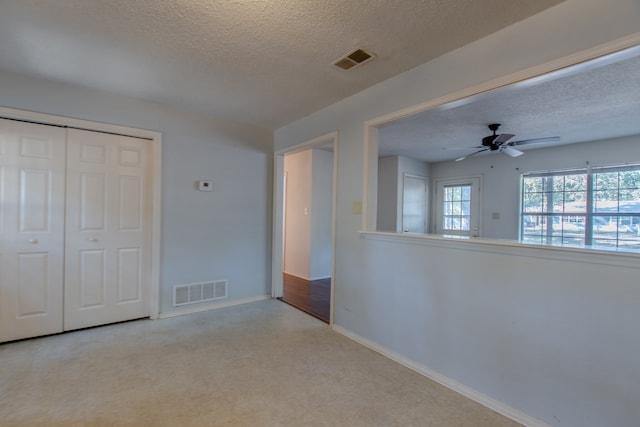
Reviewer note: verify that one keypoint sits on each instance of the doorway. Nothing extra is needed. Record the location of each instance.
(304, 198)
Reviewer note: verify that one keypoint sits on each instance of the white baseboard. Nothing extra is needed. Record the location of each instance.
(210, 306)
(454, 385)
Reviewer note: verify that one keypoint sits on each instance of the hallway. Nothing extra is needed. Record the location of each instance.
(312, 297)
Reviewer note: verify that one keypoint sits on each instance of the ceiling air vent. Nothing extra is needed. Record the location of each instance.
(353, 59)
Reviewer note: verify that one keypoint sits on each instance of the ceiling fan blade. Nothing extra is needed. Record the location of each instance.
(534, 141)
(461, 148)
(512, 152)
(502, 138)
(472, 154)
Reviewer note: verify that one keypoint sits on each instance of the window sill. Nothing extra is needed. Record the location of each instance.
(613, 256)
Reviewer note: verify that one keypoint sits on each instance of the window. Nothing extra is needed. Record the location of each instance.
(596, 206)
(457, 205)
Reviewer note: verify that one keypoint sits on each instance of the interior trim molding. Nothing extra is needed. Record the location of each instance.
(211, 306)
(621, 258)
(452, 384)
(43, 118)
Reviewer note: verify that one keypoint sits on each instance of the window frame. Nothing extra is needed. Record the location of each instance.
(590, 210)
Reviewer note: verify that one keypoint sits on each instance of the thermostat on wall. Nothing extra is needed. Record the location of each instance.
(205, 186)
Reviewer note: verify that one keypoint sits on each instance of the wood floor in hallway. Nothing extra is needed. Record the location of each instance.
(312, 297)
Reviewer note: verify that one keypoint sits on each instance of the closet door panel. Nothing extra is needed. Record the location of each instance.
(92, 281)
(32, 192)
(32, 285)
(129, 275)
(93, 202)
(106, 237)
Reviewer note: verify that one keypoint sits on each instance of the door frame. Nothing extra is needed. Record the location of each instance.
(277, 258)
(155, 139)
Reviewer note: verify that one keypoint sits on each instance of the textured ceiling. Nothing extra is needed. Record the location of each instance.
(262, 62)
(589, 102)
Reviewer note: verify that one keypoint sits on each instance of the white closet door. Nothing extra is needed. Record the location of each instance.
(107, 256)
(32, 186)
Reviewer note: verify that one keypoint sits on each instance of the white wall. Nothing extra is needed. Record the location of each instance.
(413, 166)
(391, 170)
(321, 214)
(224, 234)
(501, 175)
(297, 231)
(553, 337)
(387, 218)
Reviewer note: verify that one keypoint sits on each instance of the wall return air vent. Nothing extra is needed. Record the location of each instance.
(353, 59)
(192, 293)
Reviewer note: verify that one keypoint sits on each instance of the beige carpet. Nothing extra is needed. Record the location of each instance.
(259, 364)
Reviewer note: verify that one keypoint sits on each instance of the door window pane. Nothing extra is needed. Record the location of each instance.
(456, 207)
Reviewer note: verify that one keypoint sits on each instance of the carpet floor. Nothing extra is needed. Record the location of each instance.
(258, 364)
